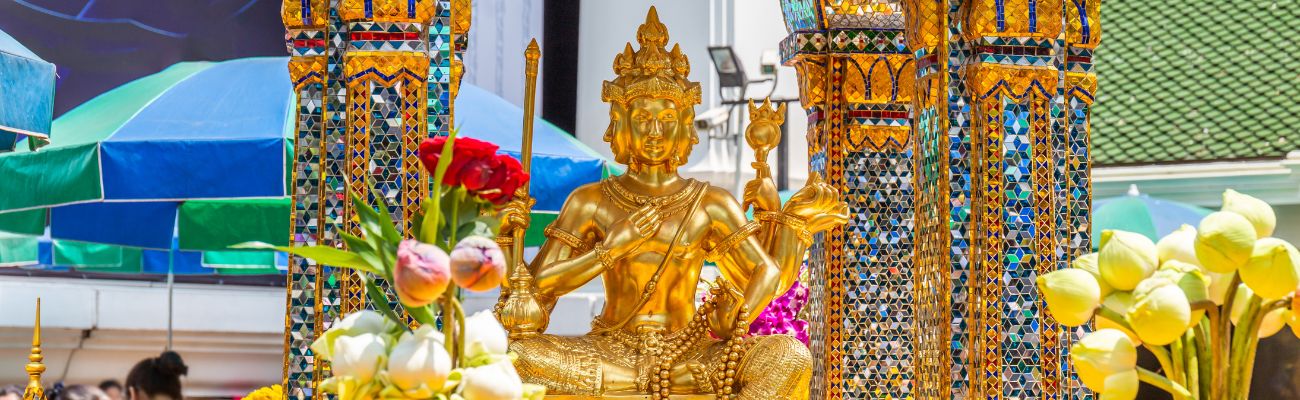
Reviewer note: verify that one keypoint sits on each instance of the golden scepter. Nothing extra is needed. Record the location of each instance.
(521, 315)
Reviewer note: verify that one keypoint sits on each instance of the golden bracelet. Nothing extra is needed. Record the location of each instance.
(733, 240)
(794, 222)
(505, 241)
(569, 239)
(603, 255)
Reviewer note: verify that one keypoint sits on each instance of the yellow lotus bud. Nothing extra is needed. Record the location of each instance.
(1273, 322)
(1224, 241)
(1088, 262)
(1160, 313)
(1179, 245)
(1118, 303)
(1191, 281)
(1273, 270)
(1121, 386)
(1072, 295)
(1219, 284)
(1101, 354)
(1259, 213)
(1126, 258)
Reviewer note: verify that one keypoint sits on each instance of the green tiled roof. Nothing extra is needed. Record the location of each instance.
(1197, 80)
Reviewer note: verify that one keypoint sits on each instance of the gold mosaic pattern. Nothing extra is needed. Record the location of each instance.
(1013, 19)
(298, 14)
(418, 11)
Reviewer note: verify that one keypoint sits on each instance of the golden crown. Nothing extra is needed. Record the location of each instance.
(651, 71)
(766, 112)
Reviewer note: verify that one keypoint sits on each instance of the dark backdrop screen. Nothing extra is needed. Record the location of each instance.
(98, 45)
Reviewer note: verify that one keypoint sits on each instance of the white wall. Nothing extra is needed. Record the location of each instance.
(759, 26)
(499, 33)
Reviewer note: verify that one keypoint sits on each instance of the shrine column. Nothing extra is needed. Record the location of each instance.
(1002, 190)
(369, 84)
(307, 25)
(856, 84)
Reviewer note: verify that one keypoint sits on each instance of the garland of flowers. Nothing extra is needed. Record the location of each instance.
(376, 354)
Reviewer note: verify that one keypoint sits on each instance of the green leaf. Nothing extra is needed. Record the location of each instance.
(425, 315)
(389, 232)
(367, 252)
(429, 226)
(380, 300)
(476, 227)
(371, 224)
(321, 254)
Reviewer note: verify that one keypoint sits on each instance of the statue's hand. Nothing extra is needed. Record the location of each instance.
(625, 235)
(819, 204)
(516, 214)
(761, 192)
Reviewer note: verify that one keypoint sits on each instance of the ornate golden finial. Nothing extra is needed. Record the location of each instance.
(35, 368)
(651, 71)
(766, 112)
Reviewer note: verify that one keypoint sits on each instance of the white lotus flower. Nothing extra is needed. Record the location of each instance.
(357, 323)
(1259, 213)
(419, 361)
(1088, 262)
(359, 356)
(1160, 312)
(1072, 295)
(495, 381)
(1224, 241)
(1121, 386)
(1273, 271)
(1126, 258)
(484, 336)
(1101, 354)
(1179, 246)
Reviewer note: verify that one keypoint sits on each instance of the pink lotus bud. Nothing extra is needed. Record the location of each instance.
(422, 273)
(477, 264)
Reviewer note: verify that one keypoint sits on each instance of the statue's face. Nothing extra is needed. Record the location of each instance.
(654, 126)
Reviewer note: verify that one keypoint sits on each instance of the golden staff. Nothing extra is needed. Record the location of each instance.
(531, 55)
(519, 311)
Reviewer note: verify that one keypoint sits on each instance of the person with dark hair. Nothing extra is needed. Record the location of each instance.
(157, 378)
(112, 388)
(11, 392)
(78, 392)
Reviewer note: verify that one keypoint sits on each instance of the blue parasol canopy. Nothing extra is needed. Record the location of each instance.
(26, 93)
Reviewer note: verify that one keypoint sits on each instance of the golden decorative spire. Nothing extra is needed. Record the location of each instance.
(35, 368)
(652, 71)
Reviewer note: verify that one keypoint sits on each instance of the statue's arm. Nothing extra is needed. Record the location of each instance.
(566, 260)
(740, 256)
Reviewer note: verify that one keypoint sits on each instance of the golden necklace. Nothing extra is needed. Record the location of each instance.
(630, 202)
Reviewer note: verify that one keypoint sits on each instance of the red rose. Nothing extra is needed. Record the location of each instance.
(466, 151)
(508, 178)
(479, 173)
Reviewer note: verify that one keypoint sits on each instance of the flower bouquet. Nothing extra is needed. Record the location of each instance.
(1199, 300)
(376, 354)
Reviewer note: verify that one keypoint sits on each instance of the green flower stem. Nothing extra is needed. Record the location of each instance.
(1204, 359)
(1252, 344)
(460, 326)
(1224, 341)
(1179, 373)
(1247, 327)
(450, 336)
(1162, 355)
(1151, 378)
(1218, 357)
(1193, 369)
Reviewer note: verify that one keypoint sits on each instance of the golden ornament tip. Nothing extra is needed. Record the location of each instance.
(35, 368)
(533, 52)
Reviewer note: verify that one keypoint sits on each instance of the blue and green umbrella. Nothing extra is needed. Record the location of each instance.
(195, 159)
(1135, 212)
(26, 93)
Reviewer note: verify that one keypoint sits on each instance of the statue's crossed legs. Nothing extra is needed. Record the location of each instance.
(772, 367)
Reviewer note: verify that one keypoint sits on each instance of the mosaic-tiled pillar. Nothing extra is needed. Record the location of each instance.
(368, 86)
(386, 68)
(1082, 35)
(856, 79)
(307, 25)
(1002, 194)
